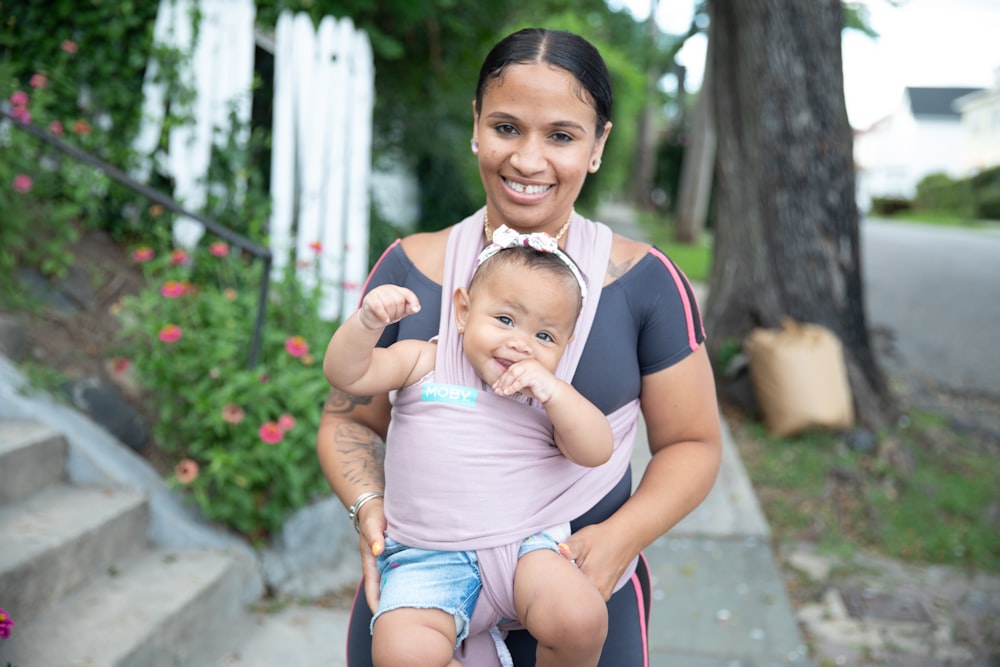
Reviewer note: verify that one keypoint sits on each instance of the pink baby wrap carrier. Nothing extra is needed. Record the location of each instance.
(486, 480)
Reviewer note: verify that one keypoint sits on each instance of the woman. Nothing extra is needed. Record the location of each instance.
(541, 117)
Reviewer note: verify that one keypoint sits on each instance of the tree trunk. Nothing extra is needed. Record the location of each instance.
(696, 170)
(645, 154)
(786, 238)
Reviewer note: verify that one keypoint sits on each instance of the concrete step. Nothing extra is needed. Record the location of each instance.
(160, 608)
(32, 457)
(60, 538)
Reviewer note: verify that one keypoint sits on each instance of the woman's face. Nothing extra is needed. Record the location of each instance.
(537, 137)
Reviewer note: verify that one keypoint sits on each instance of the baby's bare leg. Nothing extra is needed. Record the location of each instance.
(409, 637)
(561, 609)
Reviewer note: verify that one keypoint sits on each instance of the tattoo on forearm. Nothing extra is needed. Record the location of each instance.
(616, 271)
(340, 403)
(362, 453)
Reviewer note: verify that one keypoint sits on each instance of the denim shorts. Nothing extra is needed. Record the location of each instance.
(423, 579)
(446, 580)
(548, 539)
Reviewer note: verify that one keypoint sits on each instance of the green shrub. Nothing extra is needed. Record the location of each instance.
(42, 192)
(985, 187)
(941, 192)
(985, 179)
(988, 204)
(242, 438)
(890, 205)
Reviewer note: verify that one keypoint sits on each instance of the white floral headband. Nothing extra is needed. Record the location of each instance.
(504, 237)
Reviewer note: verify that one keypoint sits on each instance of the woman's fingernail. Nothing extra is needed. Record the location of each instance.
(377, 548)
(564, 549)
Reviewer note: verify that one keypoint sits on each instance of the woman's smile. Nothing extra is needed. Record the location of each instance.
(526, 189)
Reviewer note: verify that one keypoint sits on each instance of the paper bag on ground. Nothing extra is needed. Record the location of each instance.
(799, 378)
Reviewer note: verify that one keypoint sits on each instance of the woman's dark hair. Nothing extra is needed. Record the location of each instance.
(552, 47)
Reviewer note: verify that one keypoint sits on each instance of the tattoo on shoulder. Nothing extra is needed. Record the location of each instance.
(339, 402)
(616, 271)
(363, 454)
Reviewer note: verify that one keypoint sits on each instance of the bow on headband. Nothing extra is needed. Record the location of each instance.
(504, 237)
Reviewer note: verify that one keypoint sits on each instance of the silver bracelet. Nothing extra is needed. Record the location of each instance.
(359, 502)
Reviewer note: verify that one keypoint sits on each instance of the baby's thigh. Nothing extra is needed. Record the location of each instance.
(552, 597)
(408, 636)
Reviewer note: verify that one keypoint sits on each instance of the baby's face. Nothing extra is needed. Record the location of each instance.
(519, 313)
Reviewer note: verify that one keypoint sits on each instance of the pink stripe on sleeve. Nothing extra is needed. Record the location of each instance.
(364, 288)
(681, 283)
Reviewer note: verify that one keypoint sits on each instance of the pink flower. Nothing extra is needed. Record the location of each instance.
(81, 127)
(56, 128)
(219, 248)
(296, 346)
(142, 254)
(317, 247)
(22, 114)
(186, 471)
(19, 99)
(22, 183)
(178, 256)
(38, 80)
(172, 289)
(170, 333)
(271, 433)
(233, 414)
(229, 293)
(120, 364)
(6, 623)
(69, 46)
(286, 422)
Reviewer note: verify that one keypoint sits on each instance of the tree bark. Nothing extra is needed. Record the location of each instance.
(699, 161)
(645, 153)
(786, 237)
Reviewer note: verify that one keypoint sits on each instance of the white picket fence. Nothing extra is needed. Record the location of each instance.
(321, 153)
(321, 136)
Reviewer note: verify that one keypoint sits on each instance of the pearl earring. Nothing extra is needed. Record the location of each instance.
(475, 146)
(595, 164)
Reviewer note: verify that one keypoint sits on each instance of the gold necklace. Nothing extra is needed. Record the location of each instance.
(489, 230)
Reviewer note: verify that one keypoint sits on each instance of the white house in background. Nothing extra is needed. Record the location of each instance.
(922, 136)
(980, 113)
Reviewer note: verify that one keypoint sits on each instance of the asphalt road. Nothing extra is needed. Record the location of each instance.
(936, 290)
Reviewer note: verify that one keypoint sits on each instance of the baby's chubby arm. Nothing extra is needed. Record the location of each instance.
(582, 432)
(353, 364)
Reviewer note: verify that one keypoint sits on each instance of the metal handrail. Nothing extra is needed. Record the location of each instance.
(220, 230)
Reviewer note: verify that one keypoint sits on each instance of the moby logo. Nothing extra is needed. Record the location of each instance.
(449, 393)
